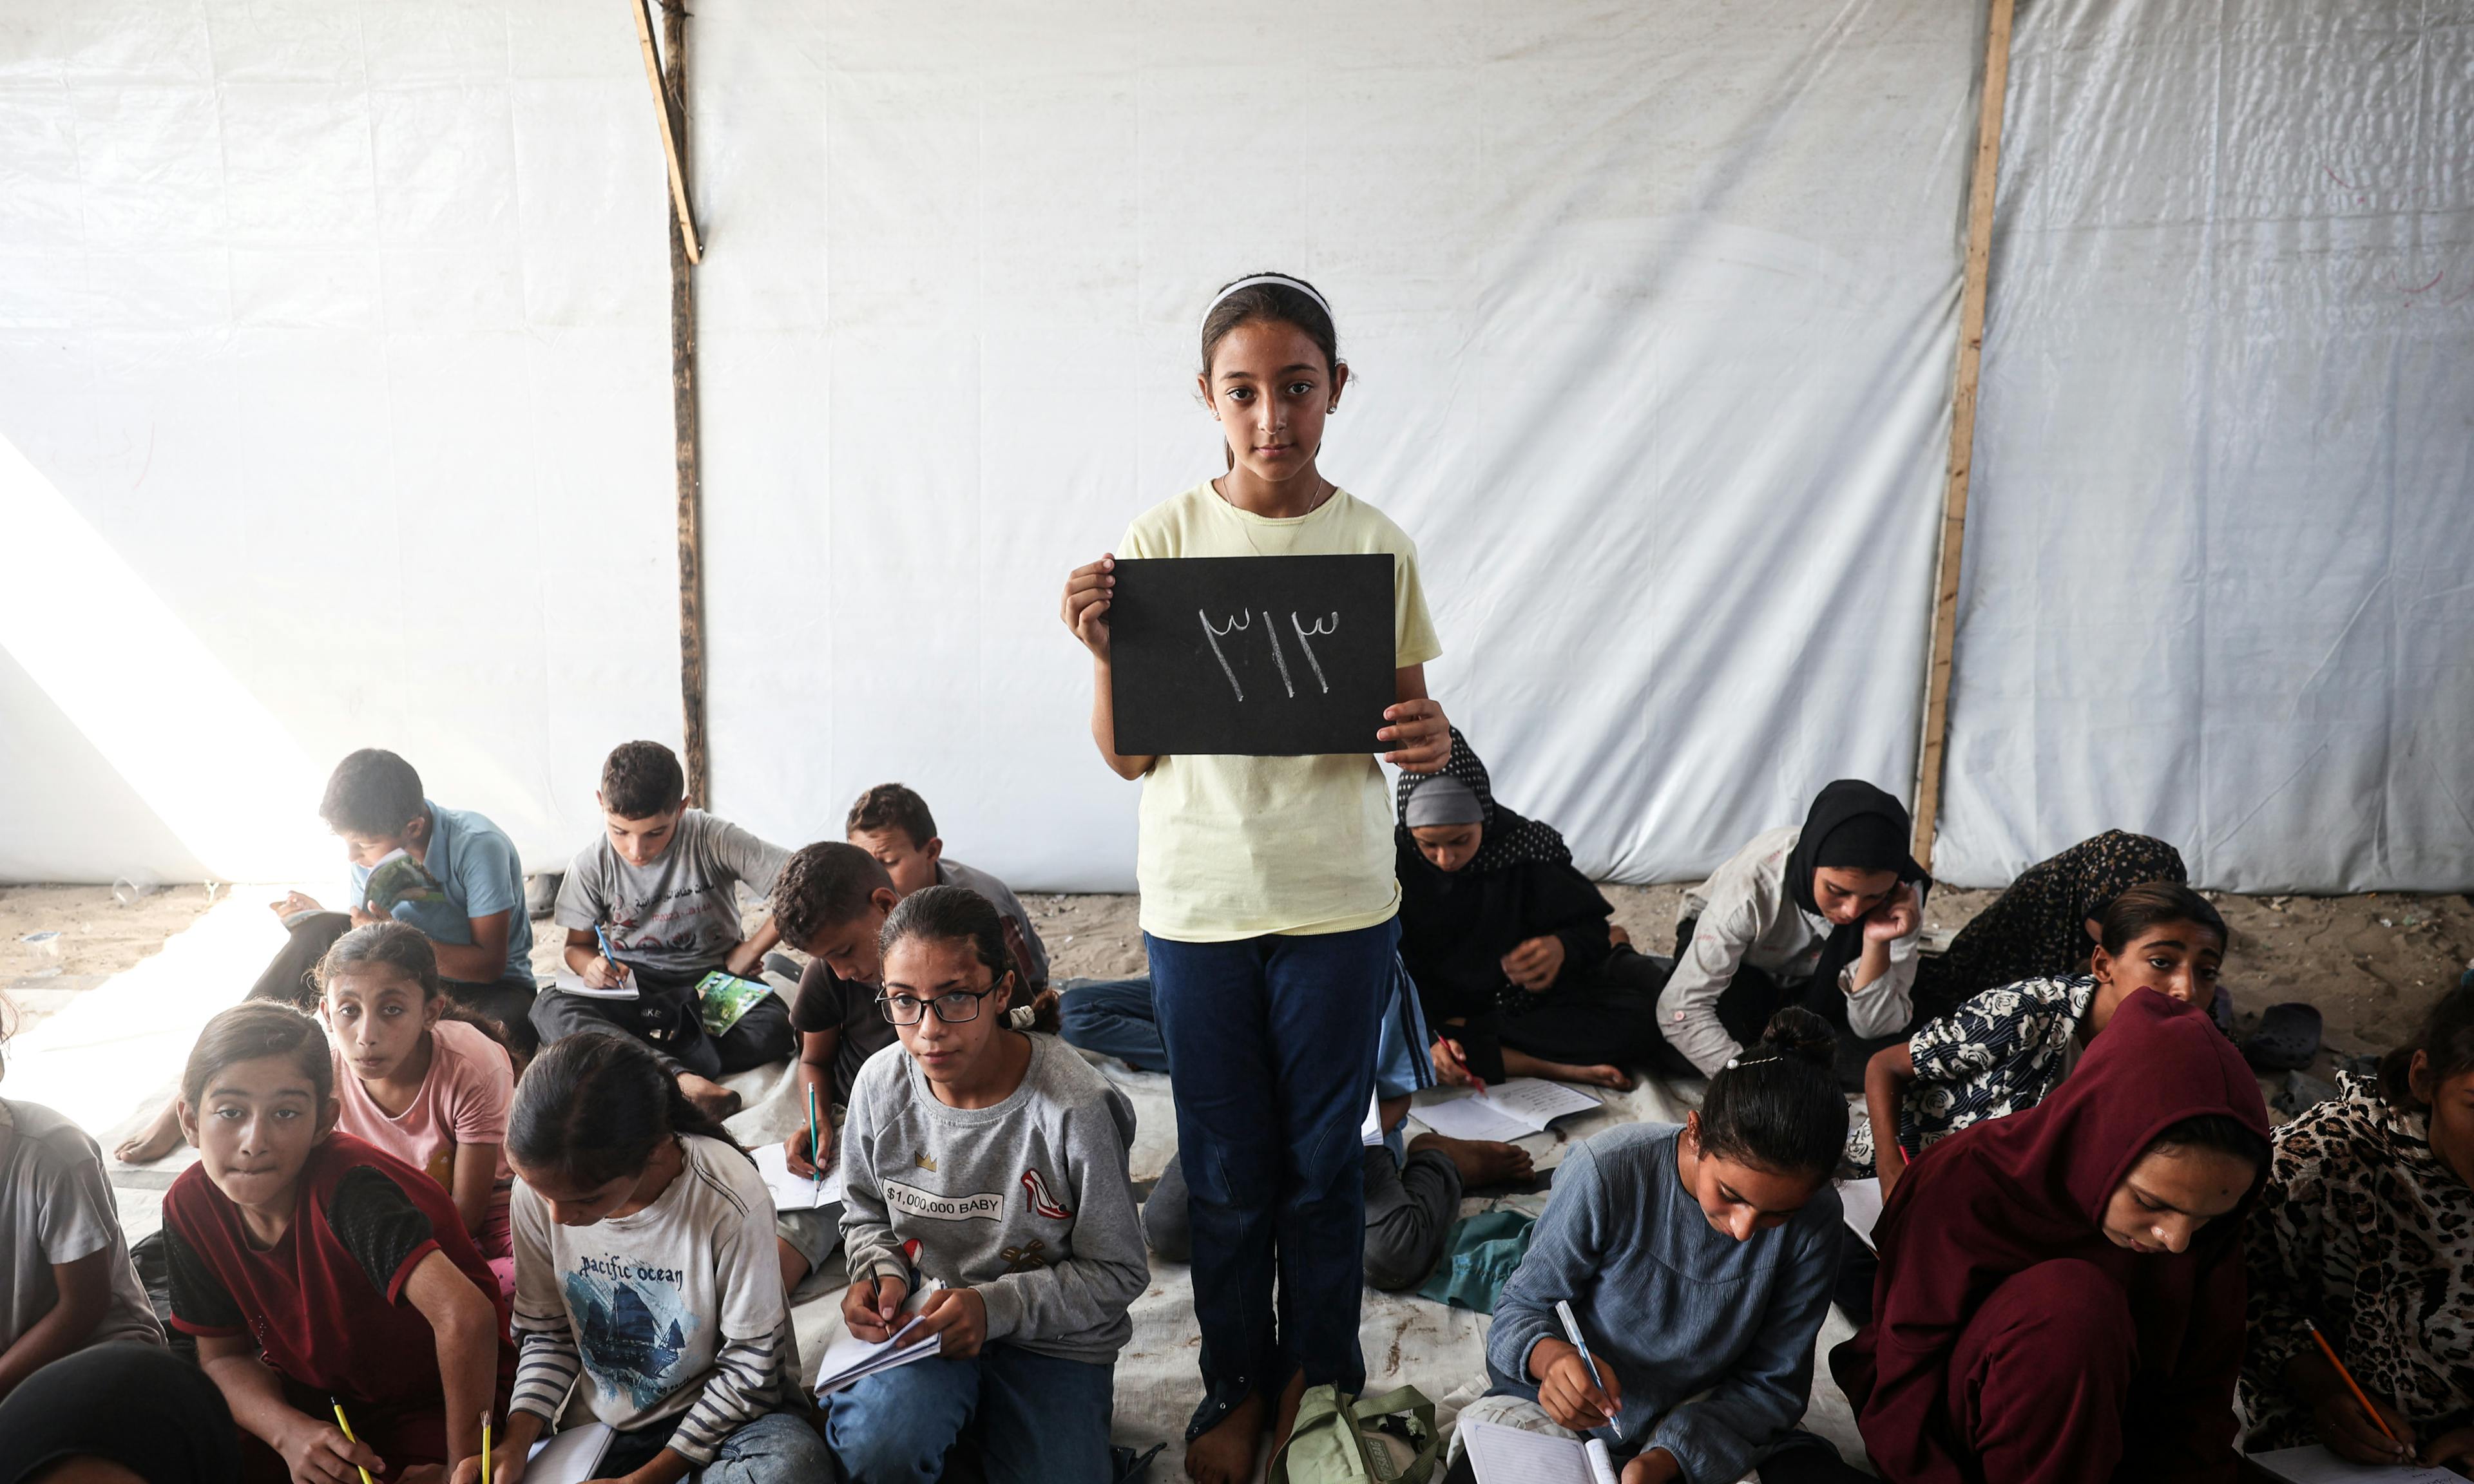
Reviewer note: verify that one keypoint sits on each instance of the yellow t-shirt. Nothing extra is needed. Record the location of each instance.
(1239, 847)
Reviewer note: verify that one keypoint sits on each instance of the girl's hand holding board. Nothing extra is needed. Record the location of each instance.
(1419, 735)
(1087, 591)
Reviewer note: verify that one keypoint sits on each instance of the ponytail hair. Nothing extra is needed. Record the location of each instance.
(957, 914)
(595, 1106)
(250, 1031)
(1777, 1106)
(2445, 1039)
(2135, 909)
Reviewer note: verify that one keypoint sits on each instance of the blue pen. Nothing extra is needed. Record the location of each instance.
(603, 938)
(1572, 1333)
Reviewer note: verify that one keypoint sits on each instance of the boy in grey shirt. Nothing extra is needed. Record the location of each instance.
(650, 909)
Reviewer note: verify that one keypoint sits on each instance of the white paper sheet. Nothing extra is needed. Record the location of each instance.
(2316, 1465)
(848, 1358)
(797, 1192)
(1859, 1205)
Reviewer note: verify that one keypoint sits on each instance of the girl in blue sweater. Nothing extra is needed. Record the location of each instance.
(1698, 1261)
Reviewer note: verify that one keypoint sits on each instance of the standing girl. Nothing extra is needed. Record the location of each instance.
(1029, 1142)
(420, 1078)
(644, 1259)
(1269, 899)
(318, 1271)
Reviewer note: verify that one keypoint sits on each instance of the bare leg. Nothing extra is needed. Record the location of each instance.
(1520, 1064)
(1290, 1395)
(1479, 1162)
(712, 1098)
(159, 1139)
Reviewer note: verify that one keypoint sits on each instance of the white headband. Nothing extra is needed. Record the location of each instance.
(1283, 279)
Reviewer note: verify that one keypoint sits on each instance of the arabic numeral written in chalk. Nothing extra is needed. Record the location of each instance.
(1322, 628)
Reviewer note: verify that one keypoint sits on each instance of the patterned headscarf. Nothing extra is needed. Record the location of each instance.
(1510, 840)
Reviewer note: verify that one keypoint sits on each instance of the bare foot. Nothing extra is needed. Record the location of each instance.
(1226, 1455)
(1480, 1162)
(1519, 1063)
(712, 1098)
(1287, 1422)
(160, 1139)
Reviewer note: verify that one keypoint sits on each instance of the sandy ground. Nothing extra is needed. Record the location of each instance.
(96, 936)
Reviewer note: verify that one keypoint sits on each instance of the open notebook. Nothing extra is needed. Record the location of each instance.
(849, 1358)
(2316, 1465)
(1508, 1110)
(797, 1192)
(569, 1457)
(1508, 1455)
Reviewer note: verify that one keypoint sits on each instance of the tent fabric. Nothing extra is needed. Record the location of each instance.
(334, 379)
(2219, 575)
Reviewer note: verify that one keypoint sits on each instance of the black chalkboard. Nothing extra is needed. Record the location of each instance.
(1268, 657)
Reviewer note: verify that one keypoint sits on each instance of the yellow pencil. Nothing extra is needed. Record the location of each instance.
(348, 1434)
(2347, 1376)
(485, 1448)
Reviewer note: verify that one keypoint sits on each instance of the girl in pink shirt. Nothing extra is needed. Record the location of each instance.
(419, 1077)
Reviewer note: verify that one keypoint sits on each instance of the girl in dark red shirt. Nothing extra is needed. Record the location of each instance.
(316, 1270)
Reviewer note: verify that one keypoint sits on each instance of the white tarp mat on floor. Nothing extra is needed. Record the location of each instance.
(343, 330)
(2220, 579)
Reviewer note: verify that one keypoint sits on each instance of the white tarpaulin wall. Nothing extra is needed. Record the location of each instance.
(2220, 576)
(334, 373)
(342, 327)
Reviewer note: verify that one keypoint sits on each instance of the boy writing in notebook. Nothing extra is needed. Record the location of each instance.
(650, 909)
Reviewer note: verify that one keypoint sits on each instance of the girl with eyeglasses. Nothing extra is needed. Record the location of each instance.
(993, 1162)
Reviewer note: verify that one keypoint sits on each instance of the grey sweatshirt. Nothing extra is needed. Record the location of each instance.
(1026, 1202)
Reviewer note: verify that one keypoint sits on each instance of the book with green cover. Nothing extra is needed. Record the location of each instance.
(727, 999)
(398, 877)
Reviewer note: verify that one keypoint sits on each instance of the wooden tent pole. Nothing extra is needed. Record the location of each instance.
(667, 93)
(1962, 422)
(685, 254)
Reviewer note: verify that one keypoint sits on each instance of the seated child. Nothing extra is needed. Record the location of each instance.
(644, 1262)
(1508, 942)
(2003, 1051)
(66, 1279)
(316, 1270)
(2041, 925)
(1029, 1137)
(2061, 1290)
(1698, 1262)
(460, 884)
(651, 908)
(419, 1080)
(2363, 1229)
(830, 902)
(1413, 1188)
(892, 823)
(1825, 915)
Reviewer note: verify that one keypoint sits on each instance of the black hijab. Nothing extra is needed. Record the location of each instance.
(1852, 826)
(1456, 925)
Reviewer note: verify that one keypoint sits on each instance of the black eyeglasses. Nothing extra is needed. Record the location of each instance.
(952, 1008)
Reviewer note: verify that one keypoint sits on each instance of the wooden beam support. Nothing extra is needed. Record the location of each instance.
(672, 97)
(668, 91)
(1962, 422)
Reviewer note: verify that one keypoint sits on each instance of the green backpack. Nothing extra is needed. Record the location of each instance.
(1390, 1439)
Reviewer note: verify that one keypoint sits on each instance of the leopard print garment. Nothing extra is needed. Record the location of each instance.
(2362, 1229)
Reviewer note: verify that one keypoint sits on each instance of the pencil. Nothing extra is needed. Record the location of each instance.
(2347, 1376)
(815, 1155)
(485, 1448)
(340, 1422)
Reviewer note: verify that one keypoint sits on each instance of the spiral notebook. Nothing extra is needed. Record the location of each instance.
(1508, 1455)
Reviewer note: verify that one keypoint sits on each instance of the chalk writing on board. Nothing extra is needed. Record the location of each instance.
(1243, 621)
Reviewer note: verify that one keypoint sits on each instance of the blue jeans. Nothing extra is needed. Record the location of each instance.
(1113, 1017)
(1042, 1420)
(1270, 1049)
(778, 1448)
